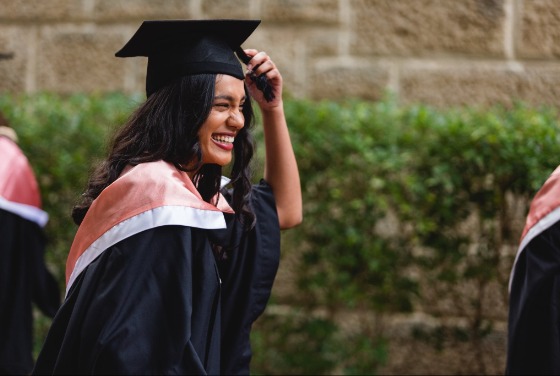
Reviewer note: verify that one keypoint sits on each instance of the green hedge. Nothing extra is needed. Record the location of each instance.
(406, 208)
(402, 203)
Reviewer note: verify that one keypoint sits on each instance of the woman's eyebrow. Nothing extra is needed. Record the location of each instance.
(228, 97)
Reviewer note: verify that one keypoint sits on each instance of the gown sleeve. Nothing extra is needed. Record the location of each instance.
(534, 308)
(24, 279)
(248, 274)
(45, 292)
(130, 310)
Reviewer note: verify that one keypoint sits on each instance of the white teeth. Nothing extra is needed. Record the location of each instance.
(222, 138)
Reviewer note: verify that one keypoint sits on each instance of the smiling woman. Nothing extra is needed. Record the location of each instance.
(218, 132)
(169, 269)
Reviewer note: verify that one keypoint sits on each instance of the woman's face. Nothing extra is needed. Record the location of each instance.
(226, 119)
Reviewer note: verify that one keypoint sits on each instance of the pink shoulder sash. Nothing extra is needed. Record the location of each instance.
(143, 197)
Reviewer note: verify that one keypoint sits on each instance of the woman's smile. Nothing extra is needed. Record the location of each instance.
(223, 140)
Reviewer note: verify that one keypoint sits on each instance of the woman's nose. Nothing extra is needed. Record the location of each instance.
(236, 119)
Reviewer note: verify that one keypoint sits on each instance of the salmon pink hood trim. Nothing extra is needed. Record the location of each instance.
(19, 191)
(145, 196)
(543, 213)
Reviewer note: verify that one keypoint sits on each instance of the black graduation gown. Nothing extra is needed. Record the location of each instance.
(534, 300)
(534, 313)
(248, 274)
(158, 302)
(24, 279)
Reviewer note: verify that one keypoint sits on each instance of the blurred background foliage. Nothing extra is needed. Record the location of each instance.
(407, 209)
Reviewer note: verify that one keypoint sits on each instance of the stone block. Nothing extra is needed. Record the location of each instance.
(444, 352)
(227, 9)
(74, 59)
(320, 42)
(348, 80)
(291, 50)
(428, 27)
(442, 299)
(309, 11)
(136, 75)
(40, 10)
(140, 10)
(539, 31)
(13, 72)
(481, 85)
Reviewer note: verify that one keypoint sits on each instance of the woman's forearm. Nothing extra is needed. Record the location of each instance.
(281, 170)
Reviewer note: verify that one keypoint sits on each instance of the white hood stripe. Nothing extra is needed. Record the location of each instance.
(542, 225)
(31, 213)
(160, 216)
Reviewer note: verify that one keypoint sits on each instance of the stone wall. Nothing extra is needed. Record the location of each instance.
(440, 52)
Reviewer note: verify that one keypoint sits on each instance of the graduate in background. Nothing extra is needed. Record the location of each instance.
(534, 302)
(24, 277)
(169, 268)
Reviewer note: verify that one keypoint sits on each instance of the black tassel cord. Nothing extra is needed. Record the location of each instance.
(260, 81)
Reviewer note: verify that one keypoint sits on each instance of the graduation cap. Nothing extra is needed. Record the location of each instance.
(176, 48)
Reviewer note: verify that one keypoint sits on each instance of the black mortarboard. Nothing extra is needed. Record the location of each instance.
(176, 48)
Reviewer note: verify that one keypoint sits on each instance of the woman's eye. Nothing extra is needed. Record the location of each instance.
(221, 105)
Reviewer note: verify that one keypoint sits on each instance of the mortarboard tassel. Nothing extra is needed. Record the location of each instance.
(260, 81)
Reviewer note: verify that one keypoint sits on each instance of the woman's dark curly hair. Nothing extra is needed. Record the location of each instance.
(165, 127)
